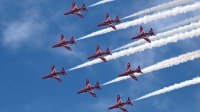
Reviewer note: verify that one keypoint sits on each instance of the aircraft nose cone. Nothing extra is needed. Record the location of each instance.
(109, 108)
(78, 92)
(89, 58)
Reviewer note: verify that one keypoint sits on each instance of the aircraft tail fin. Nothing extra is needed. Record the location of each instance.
(117, 20)
(72, 40)
(108, 51)
(63, 71)
(129, 101)
(152, 32)
(84, 8)
(139, 69)
(98, 86)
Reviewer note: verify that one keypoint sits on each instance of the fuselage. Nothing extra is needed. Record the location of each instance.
(62, 44)
(96, 55)
(73, 11)
(142, 35)
(50, 75)
(149, 34)
(85, 90)
(117, 105)
(127, 73)
(105, 23)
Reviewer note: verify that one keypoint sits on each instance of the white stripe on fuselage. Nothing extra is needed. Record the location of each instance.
(66, 45)
(56, 76)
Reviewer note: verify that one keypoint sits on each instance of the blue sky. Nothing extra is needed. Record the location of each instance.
(29, 28)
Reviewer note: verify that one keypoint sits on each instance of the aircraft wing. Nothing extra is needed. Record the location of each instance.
(87, 84)
(92, 93)
(57, 78)
(122, 108)
(79, 14)
(141, 30)
(134, 77)
(98, 51)
(107, 17)
(74, 5)
(67, 47)
(53, 70)
(102, 58)
(111, 25)
(62, 38)
(118, 99)
(128, 67)
(136, 37)
(147, 39)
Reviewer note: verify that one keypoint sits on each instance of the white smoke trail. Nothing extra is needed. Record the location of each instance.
(164, 34)
(163, 64)
(100, 2)
(171, 88)
(186, 21)
(147, 18)
(159, 7)
(156, 43)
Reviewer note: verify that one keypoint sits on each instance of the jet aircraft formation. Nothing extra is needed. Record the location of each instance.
(98, 54)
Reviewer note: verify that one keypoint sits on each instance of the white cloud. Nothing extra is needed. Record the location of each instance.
(22, 31)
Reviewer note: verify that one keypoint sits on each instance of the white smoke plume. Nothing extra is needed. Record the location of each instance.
(171, 88)
(164, 34)
(147, 18)
(159, 7)
(101, 2)
(186, 21)
(163, 64)
(156, 43)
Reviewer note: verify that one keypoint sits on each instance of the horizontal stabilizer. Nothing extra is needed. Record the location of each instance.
(63, 71)
(84, 8)
(98, 86)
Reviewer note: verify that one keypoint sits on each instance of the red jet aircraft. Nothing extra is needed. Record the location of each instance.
(131, 72)
(144, 35)
(89, 88)
(55, 74)
(120, 104)
(100, 54)
(76, 10)
(64, 42)
(109, 22)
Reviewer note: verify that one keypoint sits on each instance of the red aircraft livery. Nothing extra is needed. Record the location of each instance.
(76, 10)
(100, 54)
(131, 72)
(64, 42)
(144, 35)
(110, 22)
(55, 74)
(120, 104)
(89, 88)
